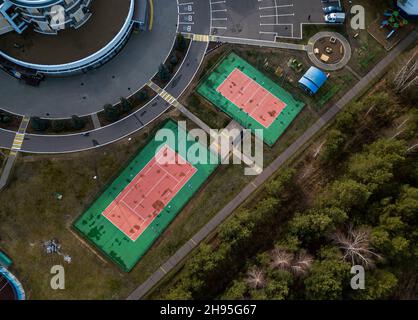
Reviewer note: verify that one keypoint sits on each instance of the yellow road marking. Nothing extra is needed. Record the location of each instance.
(18, 141)
(201, 37)
(151, 21)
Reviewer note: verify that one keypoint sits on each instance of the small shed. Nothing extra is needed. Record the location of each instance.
(313, 80)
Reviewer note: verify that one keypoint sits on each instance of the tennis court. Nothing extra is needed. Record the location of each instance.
(248, 95)
(250, 98)
(149, 192)
(143, 200)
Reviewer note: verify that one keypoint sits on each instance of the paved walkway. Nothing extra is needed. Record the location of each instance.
(177, 257)
(326, 66)
(215, 146)
(248, 42)
(11, 159)
(96, 121)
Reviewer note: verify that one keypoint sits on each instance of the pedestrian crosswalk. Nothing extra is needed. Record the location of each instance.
(18, 141)
(200, 37)
(164, 94)
(14, 150)
(20, 135)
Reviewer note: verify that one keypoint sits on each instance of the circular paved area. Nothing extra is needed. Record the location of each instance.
(87, 93)
(70, 44)
(164, 13)
(326, 66)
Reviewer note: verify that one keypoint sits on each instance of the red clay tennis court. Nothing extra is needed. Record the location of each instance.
(149, 192)
(251, 97)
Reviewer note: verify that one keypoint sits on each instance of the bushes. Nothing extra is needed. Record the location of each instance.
(333, 147)
(329, 276)
(380, 285)
(57, 125)
(375, 167)
(112, 113)
(181, 43)
(5, 118)
(39, 124)
(77, 123)
(125, 105)
(142, 96)
(164, 73)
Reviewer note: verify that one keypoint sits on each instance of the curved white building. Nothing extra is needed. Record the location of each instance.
(409, 8)
(46, 16)
(66, 36)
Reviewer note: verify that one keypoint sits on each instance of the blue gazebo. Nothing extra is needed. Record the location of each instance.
(313, 80)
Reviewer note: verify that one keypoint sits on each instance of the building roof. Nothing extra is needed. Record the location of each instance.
(69, 45)
(313, 79)
(409, 6)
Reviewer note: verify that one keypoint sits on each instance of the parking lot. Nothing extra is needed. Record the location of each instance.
(265, 19)
(191, 16)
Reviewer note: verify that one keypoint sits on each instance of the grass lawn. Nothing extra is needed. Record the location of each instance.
(367, 52)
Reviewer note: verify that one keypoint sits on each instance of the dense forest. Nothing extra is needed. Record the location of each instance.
(299, 236)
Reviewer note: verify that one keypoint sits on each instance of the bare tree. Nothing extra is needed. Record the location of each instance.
(281, 259)
(302, 264)
(255, 278)
(407, 76)
(356, 246)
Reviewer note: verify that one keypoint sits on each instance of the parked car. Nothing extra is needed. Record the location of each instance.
(336, 17)
(332, 9)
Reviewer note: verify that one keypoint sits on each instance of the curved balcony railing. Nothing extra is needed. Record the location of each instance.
(94, 59)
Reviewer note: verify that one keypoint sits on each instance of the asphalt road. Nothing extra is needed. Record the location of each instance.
(34, 143)
(123, 128)
(85, 94)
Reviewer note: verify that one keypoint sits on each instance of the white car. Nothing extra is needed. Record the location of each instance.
(336, 17)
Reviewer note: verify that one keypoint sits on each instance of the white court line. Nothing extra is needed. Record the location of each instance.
(156, 157)
(268, 93)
